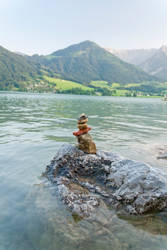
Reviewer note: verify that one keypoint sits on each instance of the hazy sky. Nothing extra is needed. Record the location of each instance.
(43, 26)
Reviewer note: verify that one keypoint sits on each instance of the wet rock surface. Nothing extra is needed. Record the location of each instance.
(85, 181)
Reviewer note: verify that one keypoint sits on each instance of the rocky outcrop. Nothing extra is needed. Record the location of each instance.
(84, 181)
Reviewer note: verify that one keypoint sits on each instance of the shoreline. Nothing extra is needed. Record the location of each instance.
(33, 92)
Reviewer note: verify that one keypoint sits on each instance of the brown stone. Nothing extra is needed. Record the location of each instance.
(81, 121)
(86, 144)
(82, 126)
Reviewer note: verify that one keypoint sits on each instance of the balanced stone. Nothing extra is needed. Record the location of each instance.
(82, 121)
(86, 144)
(82, 126)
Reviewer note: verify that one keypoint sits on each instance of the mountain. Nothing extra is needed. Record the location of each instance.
(152, 61)
(86, 61)
(83, 68)
(15, 69)
(133, 56)
(157, 64)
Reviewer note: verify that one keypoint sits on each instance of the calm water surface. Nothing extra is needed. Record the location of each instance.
(32, 128)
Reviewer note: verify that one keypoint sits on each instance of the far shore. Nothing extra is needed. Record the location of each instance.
(35, 92)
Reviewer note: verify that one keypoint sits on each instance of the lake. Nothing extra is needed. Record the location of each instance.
(32, 128)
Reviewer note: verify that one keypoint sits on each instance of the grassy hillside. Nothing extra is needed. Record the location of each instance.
(65, 86)
(86, 62)
(131, 89)
(104, 88)
(16, 71)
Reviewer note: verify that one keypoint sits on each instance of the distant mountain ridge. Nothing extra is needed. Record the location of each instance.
(133, 56)
(152, 61)
(157, 64)
(86, 61)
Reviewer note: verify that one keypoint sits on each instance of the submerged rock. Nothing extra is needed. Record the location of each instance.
(162, 156)
(84, 181)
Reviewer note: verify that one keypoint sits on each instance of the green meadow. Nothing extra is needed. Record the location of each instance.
(106, 89)
(65, 86)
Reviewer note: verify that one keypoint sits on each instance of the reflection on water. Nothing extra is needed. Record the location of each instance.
(32, 128)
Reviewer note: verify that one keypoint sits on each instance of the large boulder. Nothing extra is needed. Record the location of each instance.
(84, 181)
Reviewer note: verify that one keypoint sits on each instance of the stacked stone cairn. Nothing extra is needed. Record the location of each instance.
(85, 142)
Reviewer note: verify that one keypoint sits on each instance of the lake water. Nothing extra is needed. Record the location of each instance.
(32, 128)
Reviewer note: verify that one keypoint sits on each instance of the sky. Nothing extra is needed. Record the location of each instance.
(44, 26)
